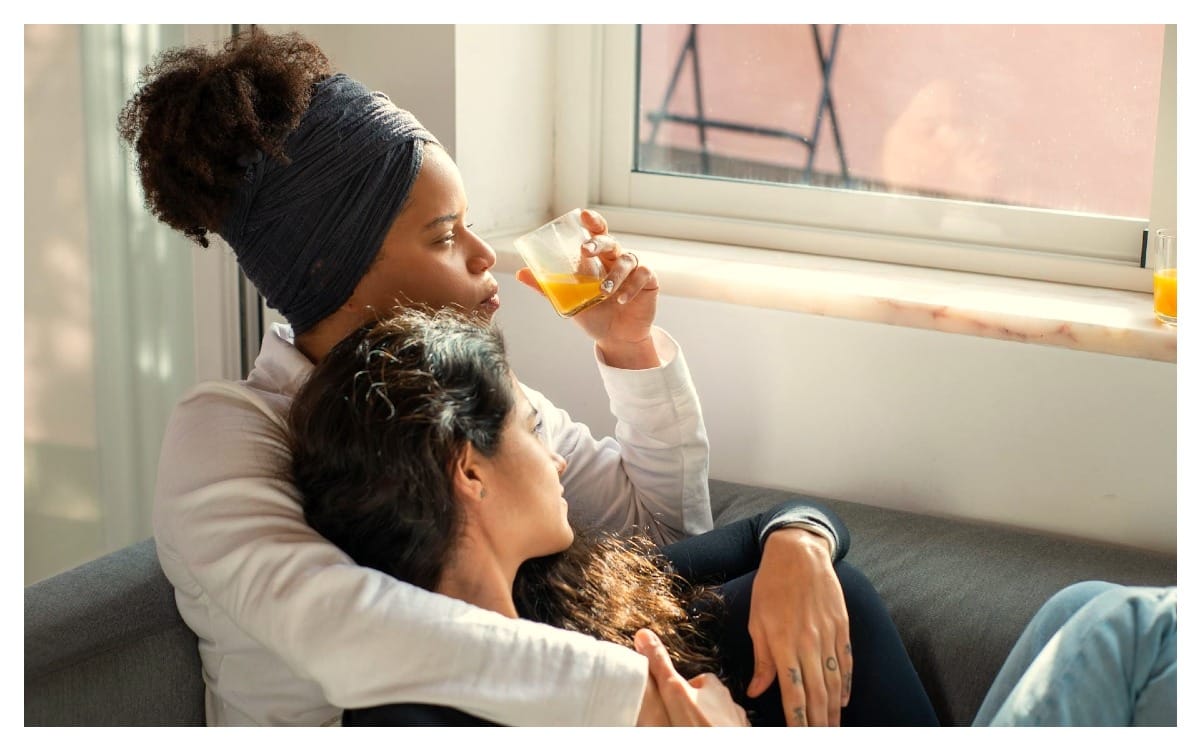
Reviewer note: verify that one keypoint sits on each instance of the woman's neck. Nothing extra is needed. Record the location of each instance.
(479, 579)
(316, 342)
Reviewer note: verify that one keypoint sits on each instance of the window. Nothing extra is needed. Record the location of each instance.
(1034, 151)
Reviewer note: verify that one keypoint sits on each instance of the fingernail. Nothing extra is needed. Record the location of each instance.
(622, 299)
(652, 638)
(590, 246)
(607, 286)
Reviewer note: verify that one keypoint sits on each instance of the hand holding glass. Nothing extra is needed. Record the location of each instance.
(568, 278)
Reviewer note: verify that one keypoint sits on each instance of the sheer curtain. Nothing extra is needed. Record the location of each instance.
(136, 337)
(142, 287)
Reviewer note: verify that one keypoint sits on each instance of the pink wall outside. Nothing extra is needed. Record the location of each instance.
(1052, 116)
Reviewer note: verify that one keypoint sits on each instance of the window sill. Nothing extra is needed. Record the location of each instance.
(1105, 321)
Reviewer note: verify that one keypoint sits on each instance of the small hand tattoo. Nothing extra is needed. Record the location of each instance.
(798, 714)
(831, 664)
(847, 649)
(846, 678)
(796, 677)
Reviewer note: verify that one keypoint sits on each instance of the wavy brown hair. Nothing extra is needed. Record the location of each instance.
(197, 114)
(609, 587)
(375, 431)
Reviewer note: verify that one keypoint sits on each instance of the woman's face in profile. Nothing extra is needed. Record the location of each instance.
(524, 508)
(430, 256)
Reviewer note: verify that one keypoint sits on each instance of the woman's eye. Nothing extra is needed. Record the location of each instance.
(449, 239)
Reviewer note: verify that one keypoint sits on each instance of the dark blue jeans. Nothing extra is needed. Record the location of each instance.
(886, 690)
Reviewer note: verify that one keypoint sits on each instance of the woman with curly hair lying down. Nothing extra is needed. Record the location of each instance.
(416, 451)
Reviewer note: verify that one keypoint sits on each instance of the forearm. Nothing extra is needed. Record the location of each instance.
(653, 475)
(736, 548)
(630, 355)
(663, 442)
(368, 639)
(810, 515)
(233, 541)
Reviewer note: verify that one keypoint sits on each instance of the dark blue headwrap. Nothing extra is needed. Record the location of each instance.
(306, 232)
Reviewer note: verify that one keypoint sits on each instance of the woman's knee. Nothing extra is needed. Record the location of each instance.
(1073, 598)
(1066, 602)
(857, 589)
(1145, 611)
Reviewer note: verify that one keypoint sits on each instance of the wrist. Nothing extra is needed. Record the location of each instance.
(803, 536)
(630, 355)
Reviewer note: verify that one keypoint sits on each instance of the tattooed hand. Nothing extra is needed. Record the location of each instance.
(800, 629)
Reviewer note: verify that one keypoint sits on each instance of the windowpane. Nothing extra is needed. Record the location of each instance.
(1054, 117)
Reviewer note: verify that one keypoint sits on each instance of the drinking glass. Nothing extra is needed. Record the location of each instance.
(554, 253)
(1166, 277)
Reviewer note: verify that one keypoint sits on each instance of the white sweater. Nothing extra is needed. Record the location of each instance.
(291, 630)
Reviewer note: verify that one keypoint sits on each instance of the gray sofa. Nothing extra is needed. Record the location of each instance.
(104, 644)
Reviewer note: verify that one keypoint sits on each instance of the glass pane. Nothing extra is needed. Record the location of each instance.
(1057, 117)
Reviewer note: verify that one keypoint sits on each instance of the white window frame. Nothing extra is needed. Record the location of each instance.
(595, 154)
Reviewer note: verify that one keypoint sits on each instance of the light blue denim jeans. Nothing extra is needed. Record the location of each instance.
(1095, 654)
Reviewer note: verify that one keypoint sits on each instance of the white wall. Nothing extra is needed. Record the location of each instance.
(504, 119)
(413, 65)
(1068, 442)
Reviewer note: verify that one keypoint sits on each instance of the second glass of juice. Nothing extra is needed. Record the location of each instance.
(554, 253)
(1166, 277)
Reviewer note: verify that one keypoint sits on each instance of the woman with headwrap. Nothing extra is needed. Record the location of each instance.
(339, 206)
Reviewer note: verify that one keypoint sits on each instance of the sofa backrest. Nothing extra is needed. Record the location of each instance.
(105, 646)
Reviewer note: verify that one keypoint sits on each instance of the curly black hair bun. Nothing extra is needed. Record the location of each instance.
(199, 117)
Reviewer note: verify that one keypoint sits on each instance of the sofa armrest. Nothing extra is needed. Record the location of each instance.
(105, 645)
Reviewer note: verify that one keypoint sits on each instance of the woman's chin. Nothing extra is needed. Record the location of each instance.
(568, 537)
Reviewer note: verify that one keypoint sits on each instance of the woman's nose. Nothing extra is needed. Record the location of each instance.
(560, 463)
(482, 258)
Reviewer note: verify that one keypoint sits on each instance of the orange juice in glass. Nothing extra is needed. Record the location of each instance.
(1166, 278)
(554, 253)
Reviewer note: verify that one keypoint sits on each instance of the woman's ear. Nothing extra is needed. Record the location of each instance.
(467, 475)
